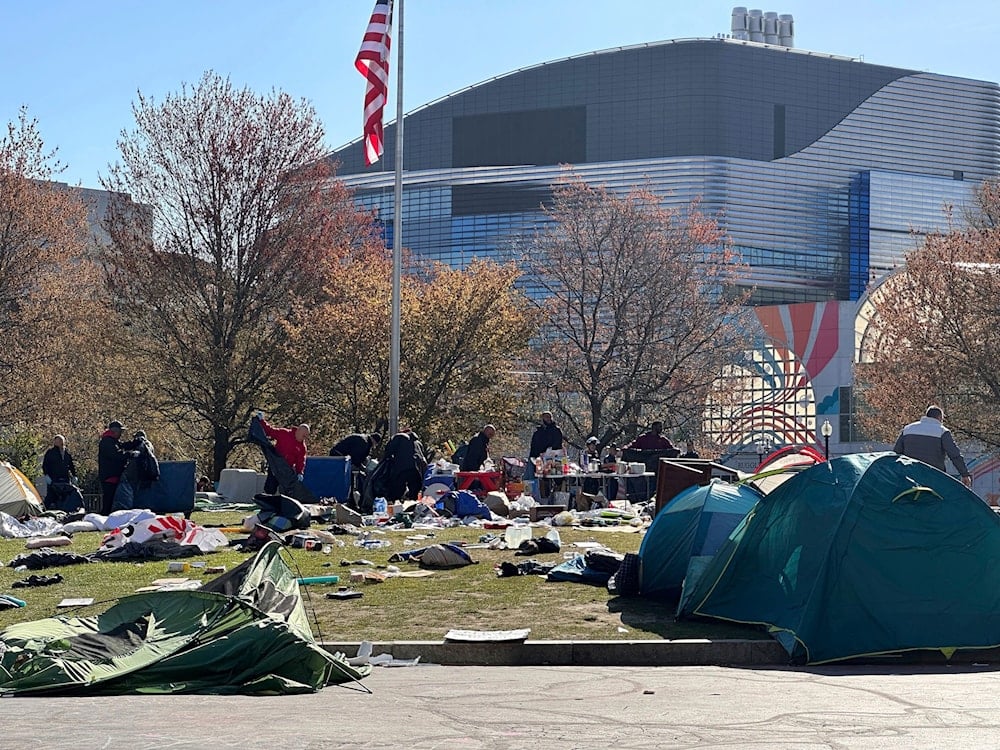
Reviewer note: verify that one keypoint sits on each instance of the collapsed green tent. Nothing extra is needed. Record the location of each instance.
(245, 632)
(867, 554)
(687, 532)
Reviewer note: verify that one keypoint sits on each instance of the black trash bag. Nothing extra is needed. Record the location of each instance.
(604, 560)
(377, 485)
(537, 546)
(65, 497)
(288, 481)
(274, 507)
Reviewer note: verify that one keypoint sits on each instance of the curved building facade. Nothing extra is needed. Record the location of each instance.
(819, 167)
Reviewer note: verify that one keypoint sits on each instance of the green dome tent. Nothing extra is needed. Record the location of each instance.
(687, 532)
(867, 554)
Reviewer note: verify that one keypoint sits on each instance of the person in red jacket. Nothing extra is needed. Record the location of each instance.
(290, 444)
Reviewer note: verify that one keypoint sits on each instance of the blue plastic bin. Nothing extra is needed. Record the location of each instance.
(329, 476)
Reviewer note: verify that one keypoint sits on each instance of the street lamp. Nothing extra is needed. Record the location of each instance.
(827, 431)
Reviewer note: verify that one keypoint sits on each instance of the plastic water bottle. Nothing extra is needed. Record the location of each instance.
(380, 507)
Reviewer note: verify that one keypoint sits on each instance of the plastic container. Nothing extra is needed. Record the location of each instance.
(514, 535)
(380, 507)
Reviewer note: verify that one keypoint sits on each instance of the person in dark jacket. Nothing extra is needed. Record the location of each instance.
(404, 455)
(545, 437)
(59, 470)
(928, 440)
(112, 455)
(57, 463)
(358, 447)
(478, 449)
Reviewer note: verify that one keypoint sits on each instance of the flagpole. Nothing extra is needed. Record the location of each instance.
(397, 232)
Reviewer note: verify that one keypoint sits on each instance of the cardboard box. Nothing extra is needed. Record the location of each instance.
(538, 512)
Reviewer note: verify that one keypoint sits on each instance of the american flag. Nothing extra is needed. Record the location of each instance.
(373, 63)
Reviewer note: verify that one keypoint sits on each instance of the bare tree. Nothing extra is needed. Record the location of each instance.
(225, 229)
(640, 308)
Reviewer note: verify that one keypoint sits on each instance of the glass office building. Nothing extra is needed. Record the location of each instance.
(820, 168)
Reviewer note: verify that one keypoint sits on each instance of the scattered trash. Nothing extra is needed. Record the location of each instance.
(487, 636)
(78, 602)
(10, 602)
(372, 543)
(649, 692)
(48, 541)
(381, 660)
(171, 584)
(344, 593)
(36, 580)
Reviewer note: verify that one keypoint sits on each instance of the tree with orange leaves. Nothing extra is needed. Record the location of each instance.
(48, 291)
(641, 311)
(461, 335)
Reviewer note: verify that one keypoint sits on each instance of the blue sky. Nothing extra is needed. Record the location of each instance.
(78, 65)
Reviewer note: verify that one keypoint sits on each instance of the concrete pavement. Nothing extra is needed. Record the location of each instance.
(538, 708)
(646, 653)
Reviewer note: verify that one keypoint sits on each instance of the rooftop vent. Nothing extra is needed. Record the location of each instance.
(758, 26)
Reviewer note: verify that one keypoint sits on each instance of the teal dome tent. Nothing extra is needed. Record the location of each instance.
(867, 554)
(687, 532)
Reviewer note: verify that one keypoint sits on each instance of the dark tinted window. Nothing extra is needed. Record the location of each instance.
(538, 137)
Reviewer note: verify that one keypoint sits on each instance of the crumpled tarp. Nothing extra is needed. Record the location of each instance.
(246, 632)
(11, 528)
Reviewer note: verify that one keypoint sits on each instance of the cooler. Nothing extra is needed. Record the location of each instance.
(329, 476)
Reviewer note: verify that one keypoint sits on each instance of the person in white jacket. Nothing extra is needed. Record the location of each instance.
(928, 440)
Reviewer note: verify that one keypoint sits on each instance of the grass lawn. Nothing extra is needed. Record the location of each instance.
(468, 598)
